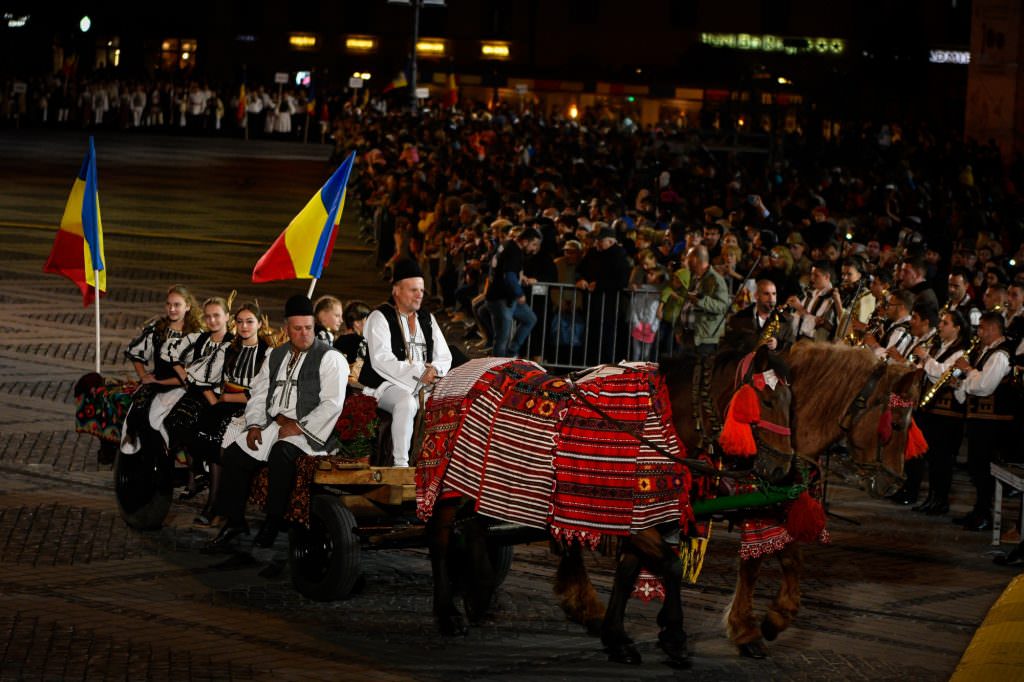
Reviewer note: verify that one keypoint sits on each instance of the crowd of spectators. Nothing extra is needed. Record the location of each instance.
(619, 206)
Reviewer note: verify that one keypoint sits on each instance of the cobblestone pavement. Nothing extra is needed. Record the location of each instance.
(82, 596)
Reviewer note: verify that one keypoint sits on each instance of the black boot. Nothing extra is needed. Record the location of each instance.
(926, 505)
(225, 538)
(268, 534)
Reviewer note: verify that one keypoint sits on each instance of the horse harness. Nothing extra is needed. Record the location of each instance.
(857, 409)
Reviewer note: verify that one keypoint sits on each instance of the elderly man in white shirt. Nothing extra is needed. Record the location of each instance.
(406, 351)
(294, 404)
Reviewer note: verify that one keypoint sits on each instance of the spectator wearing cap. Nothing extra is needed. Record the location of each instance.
(798, 250)
(295, 402)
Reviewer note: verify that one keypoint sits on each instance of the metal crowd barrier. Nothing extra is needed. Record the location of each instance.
(577, 328)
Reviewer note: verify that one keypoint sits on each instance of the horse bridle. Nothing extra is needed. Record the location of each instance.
(853, 414)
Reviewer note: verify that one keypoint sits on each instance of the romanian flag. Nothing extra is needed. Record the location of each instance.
(399, 81)
(77, 251)
(303, 250)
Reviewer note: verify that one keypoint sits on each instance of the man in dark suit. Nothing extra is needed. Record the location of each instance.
(754, 318)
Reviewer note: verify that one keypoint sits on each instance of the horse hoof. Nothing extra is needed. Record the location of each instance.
(451, 626)
(675, 649)
(769, 630)
(624, 653)
(756, 650)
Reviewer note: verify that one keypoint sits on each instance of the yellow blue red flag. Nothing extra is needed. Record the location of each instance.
(303, 250)
(77, 251)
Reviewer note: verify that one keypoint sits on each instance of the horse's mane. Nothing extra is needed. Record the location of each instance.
(839, 371)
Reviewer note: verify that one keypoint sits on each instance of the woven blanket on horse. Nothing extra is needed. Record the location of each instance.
(443, 419)
(607, 481)
(495, 443)
(530, 452)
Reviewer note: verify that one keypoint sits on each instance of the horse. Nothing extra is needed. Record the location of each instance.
(654, 547)
(839, 393)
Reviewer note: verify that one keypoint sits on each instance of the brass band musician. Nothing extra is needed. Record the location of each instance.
(897, 339)
(758, 317)
(987, 389)
(853, 301)
(814, 316)
(923, 320)
(942, 418)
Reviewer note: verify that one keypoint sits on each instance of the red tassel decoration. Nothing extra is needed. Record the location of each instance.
(745, 406)
(806, 518)
(885, 426)
(916, 444)
(737, 438)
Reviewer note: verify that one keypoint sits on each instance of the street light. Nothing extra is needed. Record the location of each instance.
(416, 4)
(85, 24)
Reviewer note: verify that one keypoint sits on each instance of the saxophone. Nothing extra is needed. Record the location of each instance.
(852, 336)
(772, 326)
(876, 323)
(952, 373)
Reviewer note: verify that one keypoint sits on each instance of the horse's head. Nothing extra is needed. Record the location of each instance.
(757, 421)
(878, 438)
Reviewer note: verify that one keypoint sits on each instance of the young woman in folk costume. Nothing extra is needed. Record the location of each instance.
(223, 379)
(328, 313)
(353, 344)
(156, 344)
(180, 408)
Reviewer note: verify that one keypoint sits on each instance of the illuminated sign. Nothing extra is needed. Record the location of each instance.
(360, 44)
(15, 21)
(949, 57)
(770, 43)
(302, 41)
(430, 48)
(495, 50)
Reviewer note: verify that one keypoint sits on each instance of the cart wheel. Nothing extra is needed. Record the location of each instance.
(325, 557)
(144, 486)
(501, 561)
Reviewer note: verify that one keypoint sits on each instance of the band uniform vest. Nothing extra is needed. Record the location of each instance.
(1000, 406)
(944, 403)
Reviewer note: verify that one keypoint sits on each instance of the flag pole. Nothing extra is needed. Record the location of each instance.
(309, 294)
(96, 291)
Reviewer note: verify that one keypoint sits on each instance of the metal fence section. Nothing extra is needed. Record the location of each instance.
(577, 328)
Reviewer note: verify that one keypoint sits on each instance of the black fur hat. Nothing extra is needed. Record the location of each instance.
(404, 269)
(298, 305)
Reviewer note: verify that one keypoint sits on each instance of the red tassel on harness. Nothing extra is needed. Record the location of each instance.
(737, 438)
(916, 444)
(806, 519)
(885, 426)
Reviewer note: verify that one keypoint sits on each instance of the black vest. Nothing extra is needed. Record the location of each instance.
(307, 388)
(367, 376)
(1001, 405)
(944, 403)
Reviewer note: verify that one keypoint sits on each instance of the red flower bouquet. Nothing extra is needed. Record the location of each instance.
(357, 425)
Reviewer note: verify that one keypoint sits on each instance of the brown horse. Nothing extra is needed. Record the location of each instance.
(839, 394)
(654, 549)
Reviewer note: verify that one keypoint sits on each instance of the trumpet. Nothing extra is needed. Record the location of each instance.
(952, 373)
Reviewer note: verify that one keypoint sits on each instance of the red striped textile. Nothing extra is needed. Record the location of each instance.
(529, 452)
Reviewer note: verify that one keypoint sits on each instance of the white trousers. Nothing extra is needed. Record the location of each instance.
(402, 406)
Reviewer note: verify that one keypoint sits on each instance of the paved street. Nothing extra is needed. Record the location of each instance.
(82, 596)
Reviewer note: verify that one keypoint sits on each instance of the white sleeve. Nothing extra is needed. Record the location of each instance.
(317, 425)
(383, 360)
(442, 354)
(935, 369)
(984, 382)
(256, 407)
